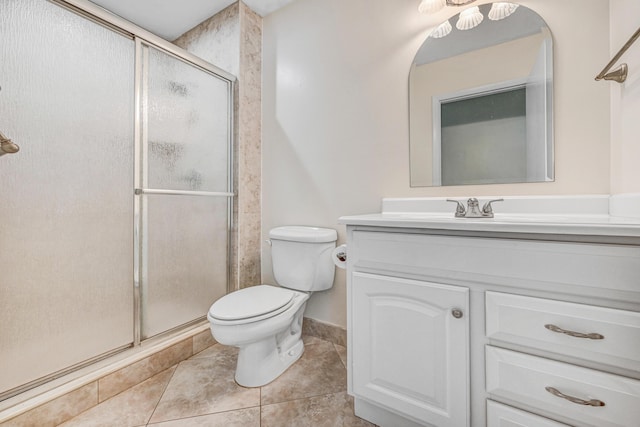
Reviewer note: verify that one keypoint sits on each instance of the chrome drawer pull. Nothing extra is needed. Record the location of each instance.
(592, 402)
(591, 336)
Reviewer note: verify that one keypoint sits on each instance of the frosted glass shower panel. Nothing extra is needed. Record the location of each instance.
(185, 266)
(188, 117)
(66, 275)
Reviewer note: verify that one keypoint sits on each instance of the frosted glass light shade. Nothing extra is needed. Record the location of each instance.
(500, 10)
(442, 30)
(431, 6)
(469, 18)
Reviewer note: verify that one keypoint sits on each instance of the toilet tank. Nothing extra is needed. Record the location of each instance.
(301, 257)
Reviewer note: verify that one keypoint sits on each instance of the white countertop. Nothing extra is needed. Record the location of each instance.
(594, 225)
(559, 216)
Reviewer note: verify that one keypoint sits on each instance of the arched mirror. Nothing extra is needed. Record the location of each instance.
(481, 100)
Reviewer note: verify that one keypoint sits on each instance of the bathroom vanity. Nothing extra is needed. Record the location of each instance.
(528, 319)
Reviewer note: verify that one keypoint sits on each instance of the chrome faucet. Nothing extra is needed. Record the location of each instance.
(473, 208)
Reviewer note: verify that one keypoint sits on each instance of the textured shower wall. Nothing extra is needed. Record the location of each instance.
(249, 125)
(216, 40)
(232, 40)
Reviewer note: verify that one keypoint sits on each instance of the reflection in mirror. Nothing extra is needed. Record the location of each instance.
(481, 101)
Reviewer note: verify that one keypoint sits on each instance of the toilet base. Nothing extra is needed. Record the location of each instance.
(261, 362)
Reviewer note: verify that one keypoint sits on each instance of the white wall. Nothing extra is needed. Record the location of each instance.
(335, 113)
(625, 100)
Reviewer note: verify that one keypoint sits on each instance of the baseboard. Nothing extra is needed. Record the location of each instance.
(325, 331)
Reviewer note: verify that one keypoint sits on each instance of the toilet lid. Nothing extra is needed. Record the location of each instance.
(250, 302)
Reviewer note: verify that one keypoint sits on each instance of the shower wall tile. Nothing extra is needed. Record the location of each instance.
(249, 104)
(249, 249)
(232, 40)
(127, 377)
(250, 147)
(58, 410)
(216, 39)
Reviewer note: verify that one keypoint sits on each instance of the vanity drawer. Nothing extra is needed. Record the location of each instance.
(532, 382)
(587, 332)
(576, 268)
(499, 415)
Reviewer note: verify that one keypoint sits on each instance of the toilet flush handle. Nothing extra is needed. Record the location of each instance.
(268, 242)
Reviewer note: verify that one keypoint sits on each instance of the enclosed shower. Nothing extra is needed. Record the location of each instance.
(115, 210)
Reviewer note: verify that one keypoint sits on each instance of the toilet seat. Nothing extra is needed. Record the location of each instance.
(251, 304)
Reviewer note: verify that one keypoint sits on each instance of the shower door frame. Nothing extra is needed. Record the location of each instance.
(141, 171)
(140, 36)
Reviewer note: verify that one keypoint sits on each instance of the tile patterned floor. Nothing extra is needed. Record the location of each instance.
(200, 391)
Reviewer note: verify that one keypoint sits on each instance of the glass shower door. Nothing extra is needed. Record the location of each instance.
(183, 190)
(66, 203)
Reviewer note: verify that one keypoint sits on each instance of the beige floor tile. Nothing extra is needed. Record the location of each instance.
(224, 353)
(330, 410)
(319, 371)
(309, 340)
(125, 378)
(201, 391)
(128, 409)
(205, 385)
(342, 352)
(249, 417)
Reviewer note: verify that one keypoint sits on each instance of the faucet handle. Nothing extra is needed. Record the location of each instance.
(487, 210)
(460, 209)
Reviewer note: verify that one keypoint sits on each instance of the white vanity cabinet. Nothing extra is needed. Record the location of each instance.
(482, 328)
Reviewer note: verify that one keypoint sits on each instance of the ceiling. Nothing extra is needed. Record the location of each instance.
(170, 19)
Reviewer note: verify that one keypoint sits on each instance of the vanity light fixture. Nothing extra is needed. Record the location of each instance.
(502, 9)
(469, 18)
(442, 30)
(433, 6)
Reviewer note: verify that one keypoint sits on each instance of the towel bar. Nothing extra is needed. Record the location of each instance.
(619, 74)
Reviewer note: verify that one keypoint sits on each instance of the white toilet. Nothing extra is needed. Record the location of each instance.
(265, 321)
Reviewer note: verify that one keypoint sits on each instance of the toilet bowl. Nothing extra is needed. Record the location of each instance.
(265, 321)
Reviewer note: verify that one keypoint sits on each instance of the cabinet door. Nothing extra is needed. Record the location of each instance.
(410, 352)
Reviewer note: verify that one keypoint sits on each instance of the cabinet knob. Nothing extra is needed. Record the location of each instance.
(457, 313)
